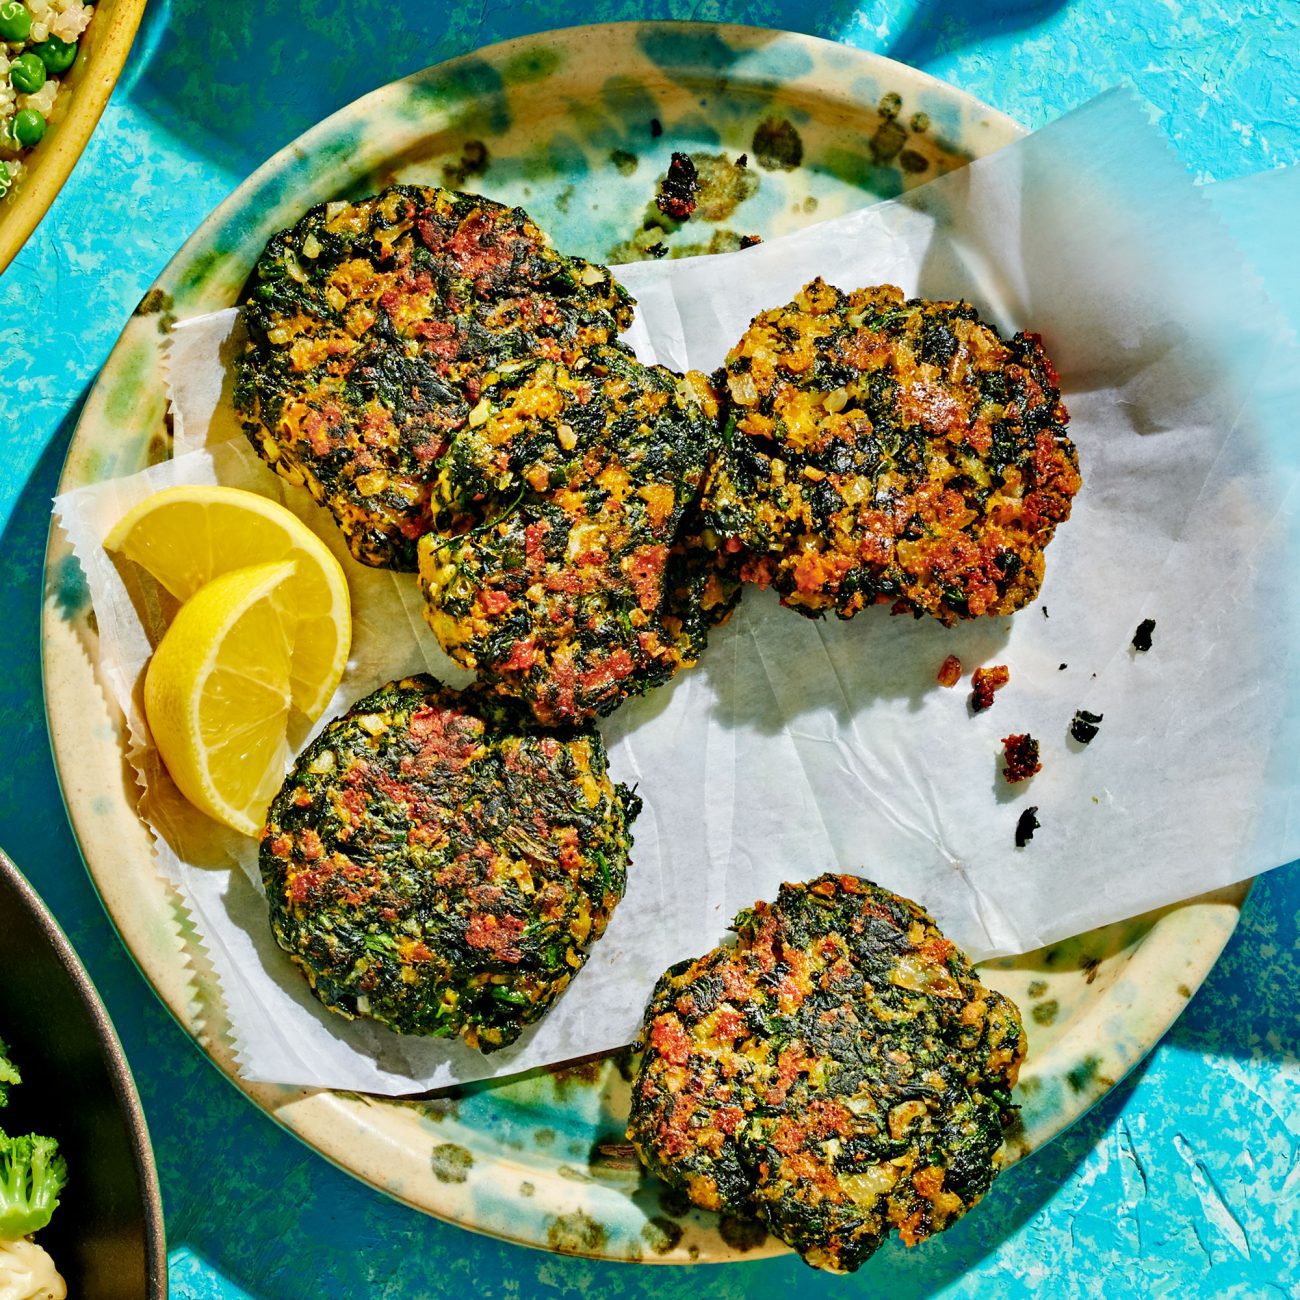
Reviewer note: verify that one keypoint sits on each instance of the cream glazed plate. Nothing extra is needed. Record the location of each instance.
(541, 1159)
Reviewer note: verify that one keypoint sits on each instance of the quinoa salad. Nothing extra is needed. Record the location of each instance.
(38, 45)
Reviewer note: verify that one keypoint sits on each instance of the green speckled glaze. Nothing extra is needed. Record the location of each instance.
(541, 1159)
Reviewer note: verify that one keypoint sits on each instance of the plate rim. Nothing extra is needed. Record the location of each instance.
(315, 1116)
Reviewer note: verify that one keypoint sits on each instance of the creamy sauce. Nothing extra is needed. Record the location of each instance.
(28, 1273)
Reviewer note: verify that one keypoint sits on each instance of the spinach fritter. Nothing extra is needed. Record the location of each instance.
(838, 1072)
(372, 327)
(437, 863)
(538, 425)
(593, 577)
(890, 451)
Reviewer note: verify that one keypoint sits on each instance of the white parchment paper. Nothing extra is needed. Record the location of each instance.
(800, 746)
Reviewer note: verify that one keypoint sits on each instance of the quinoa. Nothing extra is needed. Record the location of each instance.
(38, 47)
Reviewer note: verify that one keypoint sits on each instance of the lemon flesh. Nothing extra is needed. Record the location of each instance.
(217, 693)
(186, 536)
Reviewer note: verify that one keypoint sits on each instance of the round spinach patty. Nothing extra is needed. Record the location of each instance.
(883, 450)
(839, 1072)
(592, 576)
(371, 328)
(438, 863)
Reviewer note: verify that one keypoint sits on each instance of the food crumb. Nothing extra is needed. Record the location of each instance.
(1142, 637)
(1027, 825)
(1085, 725)
(1060, 668)
(984, 683)
(678, 190)
(1044, 611)
(743, 160)
(748, 241)
(656, 128)
(1021, 753)
(950, 671)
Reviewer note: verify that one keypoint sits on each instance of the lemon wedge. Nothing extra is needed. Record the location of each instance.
(217, 693)
(186, 536)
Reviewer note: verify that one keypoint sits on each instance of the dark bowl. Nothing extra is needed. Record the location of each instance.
(106, 1237)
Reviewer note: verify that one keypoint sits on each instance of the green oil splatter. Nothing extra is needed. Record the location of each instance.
(777, 145)
(576, 1234)
(451, 1163)
(531, 65)
(1045, 1013)
(661, 1234)
(1083, 1074)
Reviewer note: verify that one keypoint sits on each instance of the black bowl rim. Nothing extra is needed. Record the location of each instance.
(119, 1071)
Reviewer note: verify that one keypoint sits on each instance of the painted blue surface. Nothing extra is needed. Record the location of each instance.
(1186, 1180)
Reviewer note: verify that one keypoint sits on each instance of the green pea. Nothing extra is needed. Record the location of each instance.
(27, 73)
(28, 127)
(57, 55)
(15, 21)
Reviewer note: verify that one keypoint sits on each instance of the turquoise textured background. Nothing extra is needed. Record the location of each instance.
(1185, 1180)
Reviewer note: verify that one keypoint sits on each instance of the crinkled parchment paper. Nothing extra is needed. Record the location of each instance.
(800, 746)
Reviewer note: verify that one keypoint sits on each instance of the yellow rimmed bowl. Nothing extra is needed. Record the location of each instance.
(86, 87)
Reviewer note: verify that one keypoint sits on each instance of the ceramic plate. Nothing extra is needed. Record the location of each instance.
(580, 141)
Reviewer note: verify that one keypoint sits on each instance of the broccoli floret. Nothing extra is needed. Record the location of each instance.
(8, 1073)
(32, 1174)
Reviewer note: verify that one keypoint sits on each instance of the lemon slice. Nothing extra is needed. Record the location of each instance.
(187, 536)
(217, 693)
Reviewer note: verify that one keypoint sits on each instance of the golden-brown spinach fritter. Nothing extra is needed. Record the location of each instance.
(593, 577)
(839, 1073)
(372, 327)
(437, 863)
(883, 450)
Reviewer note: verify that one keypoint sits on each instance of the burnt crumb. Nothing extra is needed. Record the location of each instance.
(1021, 753)
(624, 160)
(1142, 637)
(1060, 668)
(949, 671)
(656, 128)
(777, 145)
(748, 241)
(1044, 611)
(984, 683)
(1027, 825)
(1085, 725)
(743, 160)
(678, 190)
(657, 250)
